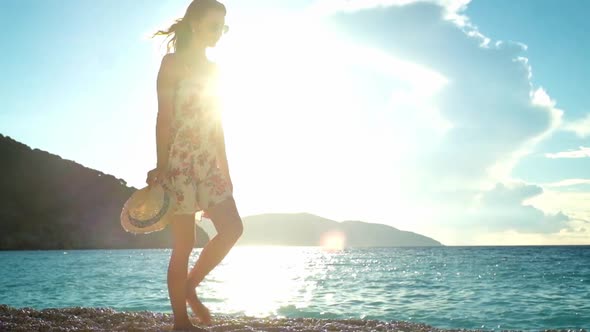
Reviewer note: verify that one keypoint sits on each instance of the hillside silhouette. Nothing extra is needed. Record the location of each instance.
(47, 202)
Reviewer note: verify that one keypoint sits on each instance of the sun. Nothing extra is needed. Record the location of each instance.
(282, 102)
(275, 76)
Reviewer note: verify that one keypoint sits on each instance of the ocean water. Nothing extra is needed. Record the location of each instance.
(526, 288)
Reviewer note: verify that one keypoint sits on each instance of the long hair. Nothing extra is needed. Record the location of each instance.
(180, 30)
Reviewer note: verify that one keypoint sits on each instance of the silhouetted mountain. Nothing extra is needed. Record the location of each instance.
(304, 229)
(47, 202)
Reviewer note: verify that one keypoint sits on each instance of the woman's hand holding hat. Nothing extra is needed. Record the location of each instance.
(154, 176)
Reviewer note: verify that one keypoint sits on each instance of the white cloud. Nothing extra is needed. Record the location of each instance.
(580, 127)
(495, 117)
(541, 98)
(567, 182)
(583, 152)
(575, 204)
(330, 6)
(417, 120)
(503, 208)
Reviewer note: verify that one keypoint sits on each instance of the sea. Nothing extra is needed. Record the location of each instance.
(473, 287)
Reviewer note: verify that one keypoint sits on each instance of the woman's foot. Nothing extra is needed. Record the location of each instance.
(187, 327)
(198, 308)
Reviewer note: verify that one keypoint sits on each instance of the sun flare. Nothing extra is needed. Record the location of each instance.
(296, 115)
(333, 240)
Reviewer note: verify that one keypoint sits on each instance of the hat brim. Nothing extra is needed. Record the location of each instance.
(156, 222)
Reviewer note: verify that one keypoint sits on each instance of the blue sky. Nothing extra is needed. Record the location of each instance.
(417, 114)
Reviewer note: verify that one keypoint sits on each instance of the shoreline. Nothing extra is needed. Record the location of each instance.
(73, 319)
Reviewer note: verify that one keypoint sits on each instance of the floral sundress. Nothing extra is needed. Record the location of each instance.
(193, 176)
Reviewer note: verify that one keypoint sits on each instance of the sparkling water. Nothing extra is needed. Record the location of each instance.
(527, 288)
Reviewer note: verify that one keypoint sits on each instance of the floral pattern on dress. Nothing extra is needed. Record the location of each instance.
(192, 175)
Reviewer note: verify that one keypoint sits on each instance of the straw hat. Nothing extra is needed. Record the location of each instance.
(147, 210)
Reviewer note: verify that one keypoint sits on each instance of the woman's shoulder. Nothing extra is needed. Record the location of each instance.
(171, 63)
(175, 65)
(170, 70)
(169, 58)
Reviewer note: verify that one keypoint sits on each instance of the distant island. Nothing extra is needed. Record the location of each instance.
(47, 202)
(304, 229)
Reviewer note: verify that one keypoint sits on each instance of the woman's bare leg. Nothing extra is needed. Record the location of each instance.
(183, 240)
(229, 228)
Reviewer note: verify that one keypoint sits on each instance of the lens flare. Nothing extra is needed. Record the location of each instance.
(333, 240)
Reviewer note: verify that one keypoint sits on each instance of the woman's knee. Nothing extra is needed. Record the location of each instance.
(233, 230)
(226, 219)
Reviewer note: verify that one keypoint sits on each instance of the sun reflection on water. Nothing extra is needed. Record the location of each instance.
(259, 280)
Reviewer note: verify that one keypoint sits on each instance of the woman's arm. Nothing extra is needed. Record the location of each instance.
(165, 87)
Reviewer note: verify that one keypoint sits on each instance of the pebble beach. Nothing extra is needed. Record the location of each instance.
(107, 319)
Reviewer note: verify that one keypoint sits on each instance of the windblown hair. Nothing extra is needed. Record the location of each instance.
(180, 30)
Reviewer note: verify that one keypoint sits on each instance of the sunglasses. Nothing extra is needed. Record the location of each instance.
(224, 28)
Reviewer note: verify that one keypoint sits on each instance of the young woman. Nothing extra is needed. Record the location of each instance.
(191, 159)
